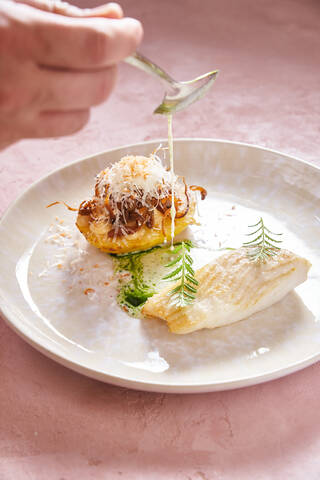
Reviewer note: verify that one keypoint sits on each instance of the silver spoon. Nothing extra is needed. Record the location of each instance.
(178, 95)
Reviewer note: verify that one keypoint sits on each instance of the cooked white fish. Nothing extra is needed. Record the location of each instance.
(230, 289)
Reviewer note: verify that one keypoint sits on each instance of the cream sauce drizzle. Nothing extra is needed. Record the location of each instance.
(170, 145)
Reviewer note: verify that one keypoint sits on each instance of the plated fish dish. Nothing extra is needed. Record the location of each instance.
(226, 294)
(139, 207)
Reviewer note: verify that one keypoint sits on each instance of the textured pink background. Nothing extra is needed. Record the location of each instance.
(58, 425)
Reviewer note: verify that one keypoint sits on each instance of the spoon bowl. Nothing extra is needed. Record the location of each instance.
(179, 95)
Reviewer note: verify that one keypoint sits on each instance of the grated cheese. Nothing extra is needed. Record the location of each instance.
(81, 271)
(140, 176)
(134, 178)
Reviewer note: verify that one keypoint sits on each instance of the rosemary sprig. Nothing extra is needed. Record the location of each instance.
(185, 292)
(263, 245)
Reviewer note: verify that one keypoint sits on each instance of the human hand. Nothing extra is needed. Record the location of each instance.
(57, 61)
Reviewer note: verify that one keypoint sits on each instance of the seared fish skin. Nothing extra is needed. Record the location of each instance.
(230, 289)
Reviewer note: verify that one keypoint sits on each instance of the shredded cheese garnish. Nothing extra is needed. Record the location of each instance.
(136, 186)
(134, 175)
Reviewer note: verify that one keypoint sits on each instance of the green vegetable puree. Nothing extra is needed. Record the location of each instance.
(145, 272)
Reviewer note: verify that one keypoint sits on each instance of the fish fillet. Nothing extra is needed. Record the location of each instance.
(230, 289)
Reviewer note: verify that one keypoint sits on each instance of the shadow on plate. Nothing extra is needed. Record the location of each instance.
(259, 334)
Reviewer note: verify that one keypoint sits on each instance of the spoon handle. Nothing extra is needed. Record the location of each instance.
(143, 63)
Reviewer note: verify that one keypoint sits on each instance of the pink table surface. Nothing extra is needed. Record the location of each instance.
(58, 425)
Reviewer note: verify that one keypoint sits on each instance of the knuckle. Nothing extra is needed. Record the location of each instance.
(96, 46)
(133, 34)
(105, 85)
(59, 124)
(76, 122)
(137, 34)
(8, 99)
(39, 98)
(18, 89)
(14, 100)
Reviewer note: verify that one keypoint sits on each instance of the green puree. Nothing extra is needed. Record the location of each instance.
(145, 269)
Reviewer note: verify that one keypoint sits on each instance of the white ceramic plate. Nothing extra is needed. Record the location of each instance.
(47, 269)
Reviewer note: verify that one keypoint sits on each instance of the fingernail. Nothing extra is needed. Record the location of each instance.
(136, 26)
(110, 10)
(116, 8)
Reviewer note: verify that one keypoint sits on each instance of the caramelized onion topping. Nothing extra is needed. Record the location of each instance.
(64, 203)
(186, 210)
(129, 216)
(203, 191)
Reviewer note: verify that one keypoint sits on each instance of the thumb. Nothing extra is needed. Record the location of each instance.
(109, 10)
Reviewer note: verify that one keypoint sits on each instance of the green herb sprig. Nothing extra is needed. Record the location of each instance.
(185, 292)
(263, 245)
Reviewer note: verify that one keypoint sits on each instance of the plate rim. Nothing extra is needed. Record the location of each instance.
(132, 382)
(147, 142)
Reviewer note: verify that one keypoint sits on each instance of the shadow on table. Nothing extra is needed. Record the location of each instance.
(64, 420)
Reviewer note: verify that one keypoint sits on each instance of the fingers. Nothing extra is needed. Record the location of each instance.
(26, 87)
(43, 125)
(53, 68)
(76, 90)
(70, 42)
(37, 102)
(48, 103)
(81, 43)
(110, 10)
